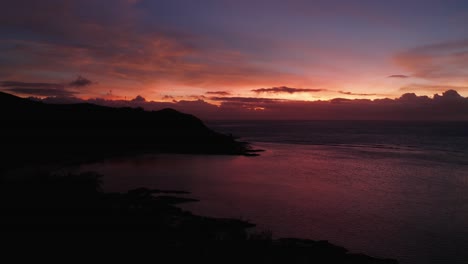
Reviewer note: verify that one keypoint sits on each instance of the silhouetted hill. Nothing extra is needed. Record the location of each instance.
(33, 130)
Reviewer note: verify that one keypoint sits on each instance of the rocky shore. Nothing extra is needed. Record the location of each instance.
(75, 205)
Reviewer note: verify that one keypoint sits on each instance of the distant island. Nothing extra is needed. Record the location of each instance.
(38, 132)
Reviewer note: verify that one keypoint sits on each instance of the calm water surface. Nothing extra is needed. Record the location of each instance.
(400, 194)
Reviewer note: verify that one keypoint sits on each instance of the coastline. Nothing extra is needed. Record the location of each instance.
(31, 205)
(343, 195)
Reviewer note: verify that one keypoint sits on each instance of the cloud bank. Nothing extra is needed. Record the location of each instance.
(449, 106)
(46, 89)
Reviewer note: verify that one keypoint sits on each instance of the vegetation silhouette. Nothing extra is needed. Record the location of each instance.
(35, 132)
(74, 204)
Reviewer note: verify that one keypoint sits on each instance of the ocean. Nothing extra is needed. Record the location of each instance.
(386, 189)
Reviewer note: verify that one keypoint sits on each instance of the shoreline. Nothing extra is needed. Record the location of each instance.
(32, 205)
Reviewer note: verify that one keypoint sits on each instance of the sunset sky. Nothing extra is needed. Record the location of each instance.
(167, 50)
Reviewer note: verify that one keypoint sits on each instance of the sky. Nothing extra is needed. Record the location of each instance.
(207, 50)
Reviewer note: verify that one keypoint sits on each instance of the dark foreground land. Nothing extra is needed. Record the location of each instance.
(74, 205)
(74, 212)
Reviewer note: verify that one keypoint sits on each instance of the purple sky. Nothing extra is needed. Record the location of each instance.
(167, 50)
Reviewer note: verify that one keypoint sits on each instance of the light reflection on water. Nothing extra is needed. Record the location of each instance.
(380, 203)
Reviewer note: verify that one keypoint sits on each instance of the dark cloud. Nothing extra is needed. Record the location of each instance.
(433, 88)
(399, 76)
(36, 89)
(245, 99)
(448, 106)
(284, 89)
(59, 99)
(449, 97)
(413, 98)
(340, 100)
(139, 99)
(359, 94)
(220, 93)
(201, 97)
(31, 85)
(451, 94)
(45, 89)
(80, 82)
(40, 91)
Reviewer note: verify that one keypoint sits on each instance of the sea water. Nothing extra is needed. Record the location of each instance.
(387, 189)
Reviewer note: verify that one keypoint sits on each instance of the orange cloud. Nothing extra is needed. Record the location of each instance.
(114, 49)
